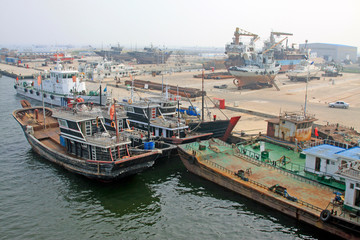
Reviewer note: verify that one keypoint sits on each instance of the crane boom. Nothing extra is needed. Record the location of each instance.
(274, 46)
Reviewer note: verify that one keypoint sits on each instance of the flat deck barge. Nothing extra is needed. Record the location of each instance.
(298, 197)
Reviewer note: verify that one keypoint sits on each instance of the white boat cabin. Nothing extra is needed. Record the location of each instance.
(327, 160)
(351, 174)
(63, 82)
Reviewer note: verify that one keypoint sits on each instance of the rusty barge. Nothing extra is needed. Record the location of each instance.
(263, 182)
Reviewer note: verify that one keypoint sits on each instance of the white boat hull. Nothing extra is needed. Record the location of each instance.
(254, 76)
(55, 99)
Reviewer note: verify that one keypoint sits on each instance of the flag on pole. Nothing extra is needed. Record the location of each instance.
(131, 78)
(316, 132)
(112, 111)
(105, 89)
(74, 78)
(39, 80)
(17, 79)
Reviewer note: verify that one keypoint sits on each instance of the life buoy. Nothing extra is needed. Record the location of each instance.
(113, 124)
(325, 215)
(130, 101)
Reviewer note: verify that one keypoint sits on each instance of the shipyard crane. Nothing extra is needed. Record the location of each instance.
(241, 32)
(278, 34)
(273, 46)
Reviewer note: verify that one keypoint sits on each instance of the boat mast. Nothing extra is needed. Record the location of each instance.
(116, 125)
(307, 81)
(100, 94)
(42, 96)
(202, 95)
(148, 123)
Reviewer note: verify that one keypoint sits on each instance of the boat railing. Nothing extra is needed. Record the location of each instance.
(309, 205)
(219, 166)
(335, 207)
(291, 169)
(320, 141)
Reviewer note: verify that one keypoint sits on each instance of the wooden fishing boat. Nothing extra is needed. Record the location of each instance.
(77, 140)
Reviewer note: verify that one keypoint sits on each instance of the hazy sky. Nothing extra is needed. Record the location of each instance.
(175, 23)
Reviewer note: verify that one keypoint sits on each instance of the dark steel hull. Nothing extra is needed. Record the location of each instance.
(218, 128)
(150, 57)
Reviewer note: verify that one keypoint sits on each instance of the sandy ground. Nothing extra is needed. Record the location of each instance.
(291, 97)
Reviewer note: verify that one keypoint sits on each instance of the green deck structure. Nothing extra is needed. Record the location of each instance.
(284, 157)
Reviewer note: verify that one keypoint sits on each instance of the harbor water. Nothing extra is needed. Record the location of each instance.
(40, 200)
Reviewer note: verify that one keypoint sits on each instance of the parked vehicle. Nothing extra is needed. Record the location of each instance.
(339, 104)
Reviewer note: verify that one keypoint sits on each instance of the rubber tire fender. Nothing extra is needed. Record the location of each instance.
(325, 215)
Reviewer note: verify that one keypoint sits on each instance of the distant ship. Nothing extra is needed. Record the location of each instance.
(235, 49)
(150, 55)
(113, 52)
(287, 57)
(303, 71)
(251, 69)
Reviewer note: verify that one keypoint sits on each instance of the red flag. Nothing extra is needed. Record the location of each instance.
(39, 80)
(17, 79)
(130, 76)
(74, 78)
(112, 111)
(316, 132)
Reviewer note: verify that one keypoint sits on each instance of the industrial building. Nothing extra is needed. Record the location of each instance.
(329, 52)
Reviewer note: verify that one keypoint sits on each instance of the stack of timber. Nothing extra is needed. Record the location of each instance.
(184, 92)
(219, 75)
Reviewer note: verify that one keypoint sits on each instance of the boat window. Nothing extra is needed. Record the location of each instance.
(357, 198)
(88, 128)
(317, 164)
(351, 186)
(63, 123)
(129, 109)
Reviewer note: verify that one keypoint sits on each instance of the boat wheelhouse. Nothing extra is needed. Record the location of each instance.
(291, 126)
(145, 115)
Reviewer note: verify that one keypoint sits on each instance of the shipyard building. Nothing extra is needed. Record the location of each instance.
(329, 52)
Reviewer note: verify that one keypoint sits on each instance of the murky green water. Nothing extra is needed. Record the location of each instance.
(39, 200)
